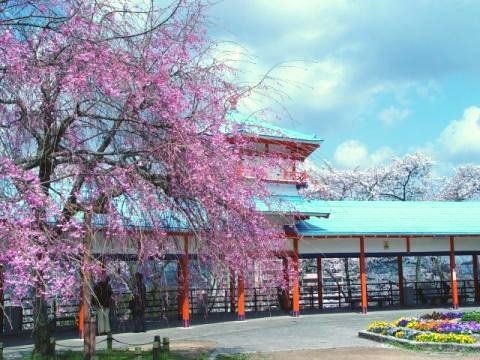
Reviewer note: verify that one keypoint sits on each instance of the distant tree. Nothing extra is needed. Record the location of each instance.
(463, 185)
(407, 178)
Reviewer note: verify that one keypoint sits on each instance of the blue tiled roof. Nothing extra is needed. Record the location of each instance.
(393, 218)
(252, 125)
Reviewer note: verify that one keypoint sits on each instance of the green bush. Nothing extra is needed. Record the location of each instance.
(471, 316)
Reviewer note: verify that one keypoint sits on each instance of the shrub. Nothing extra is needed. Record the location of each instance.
(471, 316)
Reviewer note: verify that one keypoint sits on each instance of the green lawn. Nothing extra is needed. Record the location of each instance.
(123, 355)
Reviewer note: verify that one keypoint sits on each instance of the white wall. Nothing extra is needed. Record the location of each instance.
(467, 244)
(385, 245)
(329, 245)
(428, 244)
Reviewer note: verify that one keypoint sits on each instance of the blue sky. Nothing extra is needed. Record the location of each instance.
(375, 79)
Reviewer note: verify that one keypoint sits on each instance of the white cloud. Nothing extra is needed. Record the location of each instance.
(392, 115)
(381, 155)
(353, 153)
(318, 85)
(461, 137)
(350, 154)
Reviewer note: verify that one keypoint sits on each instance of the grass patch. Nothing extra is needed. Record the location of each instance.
(116, 354)
(417, 348)
(233, 357)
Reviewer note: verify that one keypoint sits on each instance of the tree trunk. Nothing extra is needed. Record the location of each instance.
(347, 277)
(41, 328)
(418, 270)
(41, 332)
(89, 321)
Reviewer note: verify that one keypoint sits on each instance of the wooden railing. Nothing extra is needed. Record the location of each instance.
(162, 305)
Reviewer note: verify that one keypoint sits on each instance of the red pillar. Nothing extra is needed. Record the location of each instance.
(286, 279)
(476, 285)
(184, 286)
(453, 274)
(241, 298)
(363, 276)
(81, 314)
(295, 281)
(320, 282)
(232, 291)
(401, 293)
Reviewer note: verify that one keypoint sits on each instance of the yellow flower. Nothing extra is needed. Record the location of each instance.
(445, 338)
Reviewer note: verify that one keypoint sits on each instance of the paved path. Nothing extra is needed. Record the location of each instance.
(315, 331)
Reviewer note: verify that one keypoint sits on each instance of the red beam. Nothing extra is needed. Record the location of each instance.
(453, 274)
(382, 236)
(363, 276)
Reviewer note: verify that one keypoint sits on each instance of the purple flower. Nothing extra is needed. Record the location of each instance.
(451, 315)
(459, 328)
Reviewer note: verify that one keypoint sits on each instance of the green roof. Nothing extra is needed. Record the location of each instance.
(393, 218)
(256, 127)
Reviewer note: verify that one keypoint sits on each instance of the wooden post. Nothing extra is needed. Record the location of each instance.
(476, 285)
(109, 341)
(320, 282)
(295, 282)
(453, 274)
(363, 276)
(166, 345)
(401, 292)
(52, 347)
(184, 296)
(232, 291)
(138, 353)
(241, 298)
(1, 351)
(156, 348)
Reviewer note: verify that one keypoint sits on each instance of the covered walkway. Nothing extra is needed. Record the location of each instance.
(319, 230)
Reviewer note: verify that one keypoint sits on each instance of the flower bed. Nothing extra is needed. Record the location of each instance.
(447, 327)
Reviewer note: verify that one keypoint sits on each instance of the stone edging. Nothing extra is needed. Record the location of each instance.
(421, 345)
